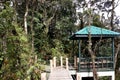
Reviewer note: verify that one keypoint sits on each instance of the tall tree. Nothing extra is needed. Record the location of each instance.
(13, 41)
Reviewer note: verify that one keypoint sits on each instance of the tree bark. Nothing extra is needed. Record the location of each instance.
(112, 16)
(95, 76)
(4, 43)
(25, 17)
(32, 30)
(116, 54)
(15, 10)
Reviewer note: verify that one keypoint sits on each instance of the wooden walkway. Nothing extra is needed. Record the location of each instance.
(59, 73)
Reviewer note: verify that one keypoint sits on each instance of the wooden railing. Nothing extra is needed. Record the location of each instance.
(53, 63)
(85, 64)
(101, 63)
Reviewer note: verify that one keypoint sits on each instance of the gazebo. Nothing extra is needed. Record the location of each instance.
(104, 64)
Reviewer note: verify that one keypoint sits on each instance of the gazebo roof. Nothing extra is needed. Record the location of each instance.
(96, 32)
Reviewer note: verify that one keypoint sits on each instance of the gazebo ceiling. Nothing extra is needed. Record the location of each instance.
(96, 32)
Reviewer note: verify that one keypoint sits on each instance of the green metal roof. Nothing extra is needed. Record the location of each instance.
(95, 32)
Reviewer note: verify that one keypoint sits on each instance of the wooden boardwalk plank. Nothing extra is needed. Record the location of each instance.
(60, 74)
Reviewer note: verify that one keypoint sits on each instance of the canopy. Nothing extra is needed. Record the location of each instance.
(96, 32)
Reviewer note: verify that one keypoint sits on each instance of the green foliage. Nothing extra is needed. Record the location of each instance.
(54, 23)
(12, 67)
(15, 56)
(58, 49)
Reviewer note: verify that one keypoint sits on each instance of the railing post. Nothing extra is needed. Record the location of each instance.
(43, 76)
(67, 63)
(51, 65)
(75, 61)
(61, 61)
(54, 59)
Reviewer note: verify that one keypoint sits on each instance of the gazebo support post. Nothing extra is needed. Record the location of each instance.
(75, 61)
(79, 55)
(113, 53)
(72, 49)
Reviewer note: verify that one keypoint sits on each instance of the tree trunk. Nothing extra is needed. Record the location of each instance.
(112, 16)
(32, 31)
(95, 76)
(15, 7)
(4, 44)
(116, 54)
(25, 17)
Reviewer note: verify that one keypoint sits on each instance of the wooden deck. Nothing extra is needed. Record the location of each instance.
(59, 73)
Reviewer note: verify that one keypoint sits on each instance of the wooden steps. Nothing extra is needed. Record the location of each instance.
(59, 73)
